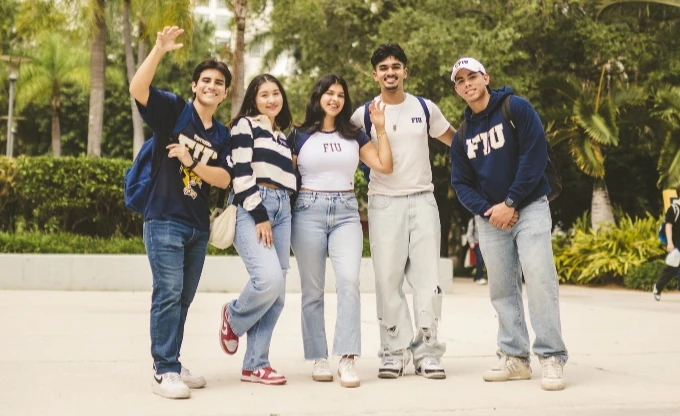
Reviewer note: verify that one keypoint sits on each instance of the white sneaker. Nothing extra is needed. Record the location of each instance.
(392, 366)
(170, 386)
(347, 373)
(430, 367)
(192, 381)
(322, 370)
(509, 369)
(481, 281)
(552, 374)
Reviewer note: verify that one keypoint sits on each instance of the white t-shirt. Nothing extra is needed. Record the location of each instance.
(327, 161)
(410, 150)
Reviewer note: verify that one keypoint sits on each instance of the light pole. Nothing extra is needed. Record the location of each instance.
(13, 64)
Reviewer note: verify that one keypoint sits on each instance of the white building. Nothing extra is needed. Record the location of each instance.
(220, 15)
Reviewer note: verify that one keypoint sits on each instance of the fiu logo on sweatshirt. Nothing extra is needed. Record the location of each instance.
(491, 140)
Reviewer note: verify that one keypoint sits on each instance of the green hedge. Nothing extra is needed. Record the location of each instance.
(65, 243)
(645, 275)
(72, 194)
(76, 195)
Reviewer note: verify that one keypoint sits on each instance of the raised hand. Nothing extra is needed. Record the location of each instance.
(377, 113)
(165, 39)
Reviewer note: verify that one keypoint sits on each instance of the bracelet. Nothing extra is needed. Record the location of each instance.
(193, 165)
(384, 133)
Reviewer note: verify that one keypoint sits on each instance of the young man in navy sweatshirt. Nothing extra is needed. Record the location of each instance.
(498, 173)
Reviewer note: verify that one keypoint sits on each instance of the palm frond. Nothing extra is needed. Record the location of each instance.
(587, 156)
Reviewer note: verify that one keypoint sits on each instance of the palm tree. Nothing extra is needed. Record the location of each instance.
(667, 109)
(153, 16)
(239, 7)
(97, 78)
(588, 122)
(56, 62)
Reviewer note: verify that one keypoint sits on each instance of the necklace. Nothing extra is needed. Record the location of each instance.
(394, 123)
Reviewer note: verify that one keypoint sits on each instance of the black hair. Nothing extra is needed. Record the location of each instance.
(211, 64)
(315, 115)
(283, 120)
(677, 190)
(386, 50)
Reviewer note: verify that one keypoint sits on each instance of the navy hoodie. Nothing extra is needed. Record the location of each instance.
(493, 161)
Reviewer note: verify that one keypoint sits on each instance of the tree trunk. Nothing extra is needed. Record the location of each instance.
(238, 67)
(56, 129)
(97, 83)
(601, 207)
(137, 123)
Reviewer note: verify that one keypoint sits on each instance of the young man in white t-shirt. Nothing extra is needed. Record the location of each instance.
(403, 221)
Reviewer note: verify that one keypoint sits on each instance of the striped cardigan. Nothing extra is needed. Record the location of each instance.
(260, 155)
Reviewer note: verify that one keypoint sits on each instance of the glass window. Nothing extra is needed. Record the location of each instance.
(222, 23)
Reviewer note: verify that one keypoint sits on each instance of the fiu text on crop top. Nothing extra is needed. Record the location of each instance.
(327, 161)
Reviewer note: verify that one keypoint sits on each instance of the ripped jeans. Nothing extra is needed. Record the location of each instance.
(405, 237)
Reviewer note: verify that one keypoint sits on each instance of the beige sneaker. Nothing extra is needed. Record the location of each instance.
(509, 369)
(552, 374)
(192, 381)
(347, 373)
(322, 370)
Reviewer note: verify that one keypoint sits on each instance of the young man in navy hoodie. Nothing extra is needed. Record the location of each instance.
(498, 172)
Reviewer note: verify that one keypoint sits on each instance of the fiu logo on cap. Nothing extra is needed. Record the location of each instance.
(460, 62)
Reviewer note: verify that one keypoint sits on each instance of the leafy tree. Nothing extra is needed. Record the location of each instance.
(56, 62)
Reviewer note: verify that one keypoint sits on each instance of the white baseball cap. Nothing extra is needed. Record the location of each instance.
(466, 63)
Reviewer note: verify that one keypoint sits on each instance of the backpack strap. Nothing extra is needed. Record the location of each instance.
(183, 119)
(367, 119)
(427, 113)
(506, 112)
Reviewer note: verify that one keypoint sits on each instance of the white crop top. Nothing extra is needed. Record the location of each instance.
(327, 161)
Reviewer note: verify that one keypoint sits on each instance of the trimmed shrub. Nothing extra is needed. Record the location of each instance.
(64, 243)
(645, 275)
(70, 194)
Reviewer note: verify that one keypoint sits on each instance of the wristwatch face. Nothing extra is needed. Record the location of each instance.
(509, 202)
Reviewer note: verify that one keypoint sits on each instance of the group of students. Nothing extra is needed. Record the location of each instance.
(497, 175)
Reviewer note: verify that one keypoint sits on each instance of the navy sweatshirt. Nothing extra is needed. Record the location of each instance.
(493, 161)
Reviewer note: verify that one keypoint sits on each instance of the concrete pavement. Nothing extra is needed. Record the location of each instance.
(87, 353)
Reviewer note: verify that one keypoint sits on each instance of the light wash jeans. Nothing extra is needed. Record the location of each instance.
(328, 223)
(176, 254)
(260, 303)
(405, 239)
(526, 247)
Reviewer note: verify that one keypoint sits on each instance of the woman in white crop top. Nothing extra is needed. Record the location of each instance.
(326, 151)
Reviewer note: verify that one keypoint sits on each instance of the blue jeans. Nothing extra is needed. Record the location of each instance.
(260, 303)
(176, 253)
(479, 266)
(328, 223)
(526, 247)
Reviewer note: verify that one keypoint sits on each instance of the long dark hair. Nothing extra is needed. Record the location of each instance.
(315, 115)
(249, 107)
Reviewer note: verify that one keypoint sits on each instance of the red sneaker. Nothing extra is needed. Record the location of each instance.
(228, 339)
(266, 375)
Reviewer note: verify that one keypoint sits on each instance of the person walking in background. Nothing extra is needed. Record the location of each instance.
(177, 213)
(403, 221)
(326, 151)
(473, 240)
(263, 179)
(498, 173)
(672, 228)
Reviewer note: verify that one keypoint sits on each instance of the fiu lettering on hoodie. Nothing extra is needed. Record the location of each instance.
(493, 161)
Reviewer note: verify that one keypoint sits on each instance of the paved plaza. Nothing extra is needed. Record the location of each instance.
(87, 353)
